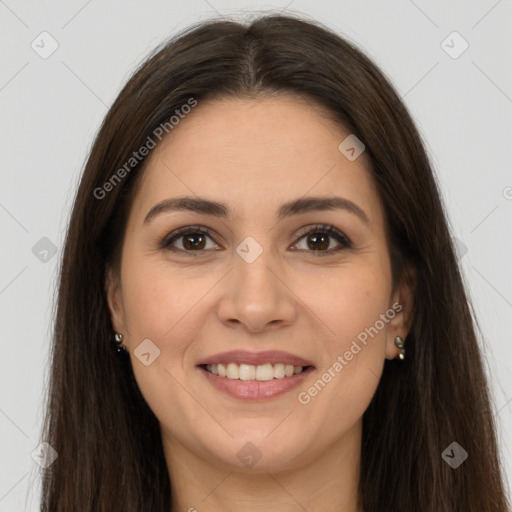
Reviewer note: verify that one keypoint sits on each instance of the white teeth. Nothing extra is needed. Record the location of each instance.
(247, 372)
(261, 372)
(233, 371)
(278, 371)
(264, 372)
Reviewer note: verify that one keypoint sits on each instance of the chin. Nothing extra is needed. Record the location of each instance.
(261, 452)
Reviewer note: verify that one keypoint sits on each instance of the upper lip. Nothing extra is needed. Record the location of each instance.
(255, 358)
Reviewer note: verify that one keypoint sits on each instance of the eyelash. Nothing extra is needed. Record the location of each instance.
(327, 229)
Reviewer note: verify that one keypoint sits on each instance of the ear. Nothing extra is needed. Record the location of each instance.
(402, 302)
(114, 299)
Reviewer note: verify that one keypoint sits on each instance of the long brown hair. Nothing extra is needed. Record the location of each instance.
(110, 455)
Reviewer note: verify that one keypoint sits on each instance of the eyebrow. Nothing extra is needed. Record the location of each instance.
(220, 210)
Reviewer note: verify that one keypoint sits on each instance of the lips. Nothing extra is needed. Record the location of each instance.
(254, 390)
(255, 359)
(255, 387)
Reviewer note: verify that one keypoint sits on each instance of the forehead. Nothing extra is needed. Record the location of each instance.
(255, 155)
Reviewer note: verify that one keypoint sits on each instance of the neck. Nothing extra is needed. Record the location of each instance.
(328, 482)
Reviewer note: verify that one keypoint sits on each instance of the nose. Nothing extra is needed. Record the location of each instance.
(256, 295)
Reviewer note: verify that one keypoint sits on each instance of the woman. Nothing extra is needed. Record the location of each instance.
(259, 306)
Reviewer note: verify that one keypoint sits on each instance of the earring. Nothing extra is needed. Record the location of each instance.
(118, 340)
(399, 342)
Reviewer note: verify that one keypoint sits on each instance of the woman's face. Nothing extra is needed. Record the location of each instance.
(255, 283)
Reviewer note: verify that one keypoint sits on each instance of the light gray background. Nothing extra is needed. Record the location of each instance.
(51, 109)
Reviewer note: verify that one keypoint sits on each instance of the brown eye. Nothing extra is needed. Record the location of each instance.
(190, 239)
(194, 240)
(318, 239)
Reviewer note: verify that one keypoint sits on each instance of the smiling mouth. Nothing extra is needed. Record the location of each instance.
(249, 372)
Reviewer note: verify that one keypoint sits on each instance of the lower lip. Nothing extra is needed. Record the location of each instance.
(254, 389)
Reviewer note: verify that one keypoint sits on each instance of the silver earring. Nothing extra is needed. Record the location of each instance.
(118, 340)
(399, 342)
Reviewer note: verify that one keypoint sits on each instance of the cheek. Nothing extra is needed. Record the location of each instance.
(157, 300)
(350, 301)
(159, 306)
(352, 306)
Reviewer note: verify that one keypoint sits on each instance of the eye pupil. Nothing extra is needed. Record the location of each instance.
(318, 237)
(195, 243)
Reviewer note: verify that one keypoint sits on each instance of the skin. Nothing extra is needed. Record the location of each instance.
(253, 155)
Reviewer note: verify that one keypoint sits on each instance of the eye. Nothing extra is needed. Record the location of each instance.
(317, 239)
(193, 240)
